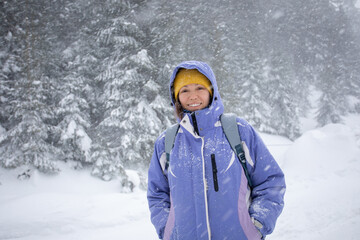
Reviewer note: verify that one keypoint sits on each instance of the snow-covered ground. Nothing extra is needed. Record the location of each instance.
(322, 170)
(71, 205)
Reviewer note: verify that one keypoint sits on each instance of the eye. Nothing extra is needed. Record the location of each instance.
(184, 90)
(200, 88)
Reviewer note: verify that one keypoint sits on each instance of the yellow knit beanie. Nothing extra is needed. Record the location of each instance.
(189, 76)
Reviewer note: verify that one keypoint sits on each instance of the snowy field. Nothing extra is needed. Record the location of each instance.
(322, 170)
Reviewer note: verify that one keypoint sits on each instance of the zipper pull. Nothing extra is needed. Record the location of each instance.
(213, 163)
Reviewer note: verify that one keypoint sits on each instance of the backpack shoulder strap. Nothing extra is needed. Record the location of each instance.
(231, 130)
(170, 135)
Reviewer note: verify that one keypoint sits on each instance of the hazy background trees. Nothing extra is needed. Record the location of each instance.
(85, 82)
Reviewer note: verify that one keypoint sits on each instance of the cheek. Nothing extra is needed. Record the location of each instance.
(206, 98)
(181, 98)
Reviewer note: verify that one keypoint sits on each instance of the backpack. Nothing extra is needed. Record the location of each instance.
(230, 128)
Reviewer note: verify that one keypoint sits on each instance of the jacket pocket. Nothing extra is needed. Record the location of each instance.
(214, 170)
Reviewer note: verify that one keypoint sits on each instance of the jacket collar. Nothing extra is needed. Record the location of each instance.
(206, 119)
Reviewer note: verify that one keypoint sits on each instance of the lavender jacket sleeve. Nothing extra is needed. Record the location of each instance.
(158, 192)
(268, 181)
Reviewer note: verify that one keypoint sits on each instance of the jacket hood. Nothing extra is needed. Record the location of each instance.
(204, 68)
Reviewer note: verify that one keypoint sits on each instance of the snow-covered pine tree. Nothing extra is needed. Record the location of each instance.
(251, 95)
(281, 91)
(10, 63)
(130, 122)
(348, 37)
(106, 165)
(77, 98)
(74, 140)
(28, 139)
(334, 80)
(244, 63)
(181, 32)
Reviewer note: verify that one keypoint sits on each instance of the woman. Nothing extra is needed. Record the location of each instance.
(185, 201)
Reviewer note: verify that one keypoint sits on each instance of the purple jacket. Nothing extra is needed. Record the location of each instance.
(183, 200)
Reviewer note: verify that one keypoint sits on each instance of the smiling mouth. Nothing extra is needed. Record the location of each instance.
(194, 105)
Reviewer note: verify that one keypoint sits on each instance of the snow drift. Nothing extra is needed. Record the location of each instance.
(322, 170)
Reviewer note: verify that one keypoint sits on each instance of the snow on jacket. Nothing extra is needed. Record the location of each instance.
(183, 202)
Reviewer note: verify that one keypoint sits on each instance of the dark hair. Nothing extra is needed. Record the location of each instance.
(179, 110)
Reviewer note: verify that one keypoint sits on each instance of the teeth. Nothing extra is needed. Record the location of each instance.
(194, 105)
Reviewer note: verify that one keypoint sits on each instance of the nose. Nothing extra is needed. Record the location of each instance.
(193, 96)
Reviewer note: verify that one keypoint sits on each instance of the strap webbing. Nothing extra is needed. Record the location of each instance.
(231, 130)
(170, 135)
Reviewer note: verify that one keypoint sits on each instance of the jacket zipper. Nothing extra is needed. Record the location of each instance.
(205, 190)
(195, 123)
(214, 170)
(204, 177)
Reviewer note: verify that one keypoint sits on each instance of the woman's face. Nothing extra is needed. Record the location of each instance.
(194, 97)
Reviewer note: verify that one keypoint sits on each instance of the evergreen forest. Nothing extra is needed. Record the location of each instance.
(85, 82)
